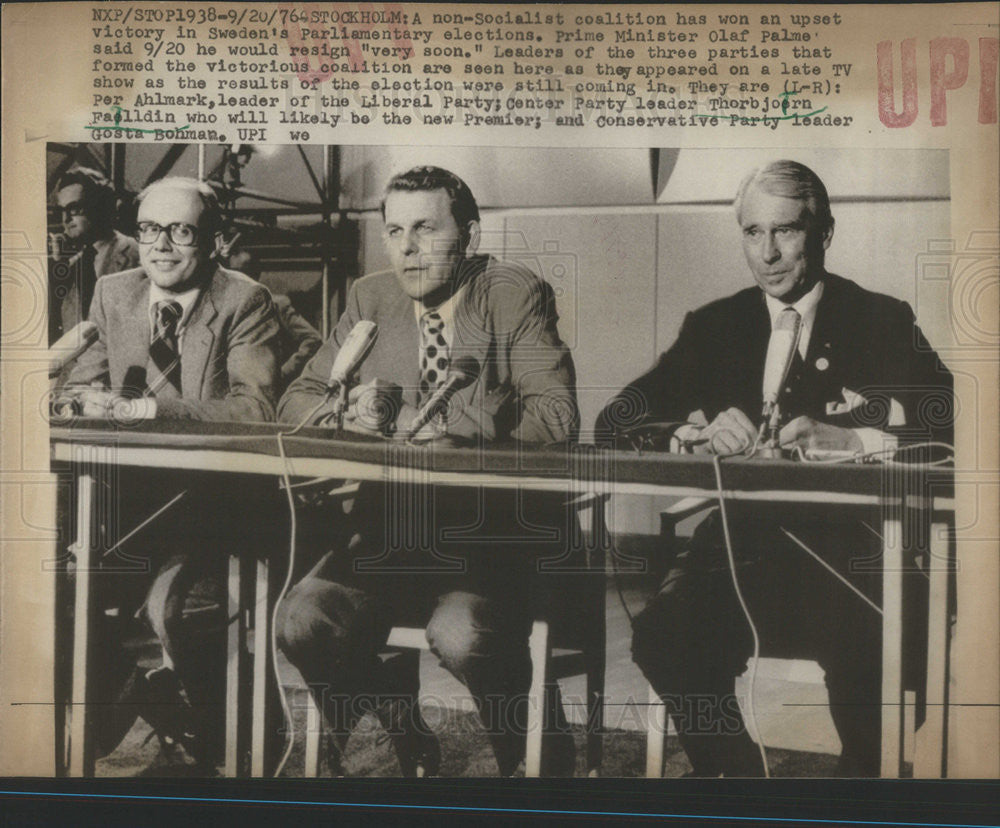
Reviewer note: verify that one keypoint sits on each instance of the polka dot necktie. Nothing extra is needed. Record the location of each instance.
(434, 358)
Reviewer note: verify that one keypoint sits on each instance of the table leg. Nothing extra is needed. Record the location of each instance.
(236, 668)
(929, 761)
(314, 736)
(656, 735)
(263, 689)
(538, 644)
(82, 739)
(892, 647)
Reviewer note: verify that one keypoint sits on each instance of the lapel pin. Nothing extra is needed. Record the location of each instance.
(822, 364)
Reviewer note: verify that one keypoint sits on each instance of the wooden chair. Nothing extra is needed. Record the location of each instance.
(558, 650)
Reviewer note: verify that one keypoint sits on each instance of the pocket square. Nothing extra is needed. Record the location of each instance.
(850, 400)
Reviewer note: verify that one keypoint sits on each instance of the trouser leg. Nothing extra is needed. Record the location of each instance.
(333, 633)
(186, 607)
(689, 644)
(694, 638)
(484, 643)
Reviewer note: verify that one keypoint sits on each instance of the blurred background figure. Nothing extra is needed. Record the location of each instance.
(299, 339)
(88, 247)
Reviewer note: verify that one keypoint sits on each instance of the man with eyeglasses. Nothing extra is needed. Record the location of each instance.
(179, 338)
(88, 248)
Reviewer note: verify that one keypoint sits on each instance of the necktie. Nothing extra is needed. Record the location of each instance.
(782, 349)
(165, 371)
(434, 357)
(88, 279)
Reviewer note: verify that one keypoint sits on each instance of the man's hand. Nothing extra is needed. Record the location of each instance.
(104, 404)
(373, 407)
(729, 433)
(809, 434)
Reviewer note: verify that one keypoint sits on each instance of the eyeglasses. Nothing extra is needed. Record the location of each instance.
(73, 209)
(178, 233)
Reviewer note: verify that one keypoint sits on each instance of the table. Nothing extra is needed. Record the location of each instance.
(581, 469)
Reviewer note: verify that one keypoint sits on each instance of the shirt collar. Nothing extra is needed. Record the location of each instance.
(186, 300)
(806, 306)
(446, 310)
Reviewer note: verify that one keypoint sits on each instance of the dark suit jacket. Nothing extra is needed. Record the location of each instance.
(229, 348)
(865, 342)
(506, 320)
(69, 300)
(299, 339)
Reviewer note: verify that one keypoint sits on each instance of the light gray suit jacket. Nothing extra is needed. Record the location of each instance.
(230, 346)
(505, 319)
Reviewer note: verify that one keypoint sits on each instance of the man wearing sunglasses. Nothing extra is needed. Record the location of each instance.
(89, 247)
(179, 338)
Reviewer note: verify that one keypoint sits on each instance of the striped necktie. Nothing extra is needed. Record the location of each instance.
(164, 374)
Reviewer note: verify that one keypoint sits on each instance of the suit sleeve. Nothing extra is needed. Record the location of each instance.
(252, 352)
(91, 367)
(669, 392)
(921, 385)
(309, 389)
(541, 368)
(304, 339)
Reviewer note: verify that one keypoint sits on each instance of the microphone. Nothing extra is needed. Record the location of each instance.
(352, 353)
(780, 353)
(462, 373)
(70, 346)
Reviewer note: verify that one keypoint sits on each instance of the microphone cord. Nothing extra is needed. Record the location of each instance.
(292, 537)
(751, 711)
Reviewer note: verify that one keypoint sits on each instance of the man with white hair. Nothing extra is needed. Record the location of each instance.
(862, 379)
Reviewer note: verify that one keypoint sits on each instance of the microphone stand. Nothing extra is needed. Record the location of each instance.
(340, 405)
(767, 438)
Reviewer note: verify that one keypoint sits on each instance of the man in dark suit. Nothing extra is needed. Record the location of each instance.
(88, 248)
(862, 379)
(439, 304)
(180, 338)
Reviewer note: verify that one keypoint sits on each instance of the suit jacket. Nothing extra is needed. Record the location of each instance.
(229, 347)
(77, 290)
(865, 342)
(506, 320)
(299, 339)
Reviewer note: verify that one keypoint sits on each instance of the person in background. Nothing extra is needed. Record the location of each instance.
(88, 247)
(299, 339)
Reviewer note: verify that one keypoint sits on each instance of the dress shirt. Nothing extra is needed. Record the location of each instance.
(186, 300)
(446, 310)
(806, 308)
(872, 439)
